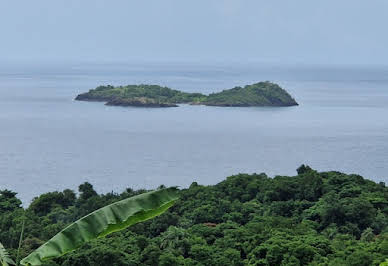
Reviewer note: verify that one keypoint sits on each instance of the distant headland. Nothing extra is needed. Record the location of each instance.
(258, 94)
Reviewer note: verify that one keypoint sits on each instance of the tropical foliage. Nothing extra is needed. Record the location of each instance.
(5, 259)
(104, 221)
(259, 94)
(313, 218)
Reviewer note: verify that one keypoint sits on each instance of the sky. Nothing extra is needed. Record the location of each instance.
(273, 31)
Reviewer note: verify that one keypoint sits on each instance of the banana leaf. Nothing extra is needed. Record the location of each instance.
(5, 259)
(104, 221)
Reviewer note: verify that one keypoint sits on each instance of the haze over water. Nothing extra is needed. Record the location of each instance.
(50, 142)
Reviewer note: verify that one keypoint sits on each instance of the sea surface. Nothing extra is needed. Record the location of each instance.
(50, 142)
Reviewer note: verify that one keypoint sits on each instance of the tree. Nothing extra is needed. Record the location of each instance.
(359, 258)
(86, 191)
(303, 169)
(8, 201)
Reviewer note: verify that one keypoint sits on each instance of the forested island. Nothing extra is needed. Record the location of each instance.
(258, 94)
(313, 218)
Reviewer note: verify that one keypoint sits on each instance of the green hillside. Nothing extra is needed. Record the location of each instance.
(313, 218)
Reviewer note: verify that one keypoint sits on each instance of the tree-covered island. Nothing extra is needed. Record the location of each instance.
(258, 94)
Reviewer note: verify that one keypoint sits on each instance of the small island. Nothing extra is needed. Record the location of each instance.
(258, 94)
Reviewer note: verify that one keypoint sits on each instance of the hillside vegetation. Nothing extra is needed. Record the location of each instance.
(327, 218)
(148, 94)
(259, 94)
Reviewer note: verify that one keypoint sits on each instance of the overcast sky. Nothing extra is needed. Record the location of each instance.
(276, 31)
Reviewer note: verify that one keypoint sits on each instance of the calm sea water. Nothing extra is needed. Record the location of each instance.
(50, 142)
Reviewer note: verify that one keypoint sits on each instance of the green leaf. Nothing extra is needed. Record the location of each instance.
(385, 263)
(104, 221)
(5, 259)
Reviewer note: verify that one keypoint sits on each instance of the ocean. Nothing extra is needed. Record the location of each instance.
(50, 142)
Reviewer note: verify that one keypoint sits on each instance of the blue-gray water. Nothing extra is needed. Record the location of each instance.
(50, 142)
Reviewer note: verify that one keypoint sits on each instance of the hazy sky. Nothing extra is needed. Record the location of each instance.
(278, 31)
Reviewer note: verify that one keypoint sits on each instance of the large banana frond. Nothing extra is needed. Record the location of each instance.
(104, 221)
(5, 259)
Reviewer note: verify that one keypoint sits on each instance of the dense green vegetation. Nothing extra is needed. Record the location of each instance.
(327, 218)
(259, 94)
(104, 221)
(150, 95)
